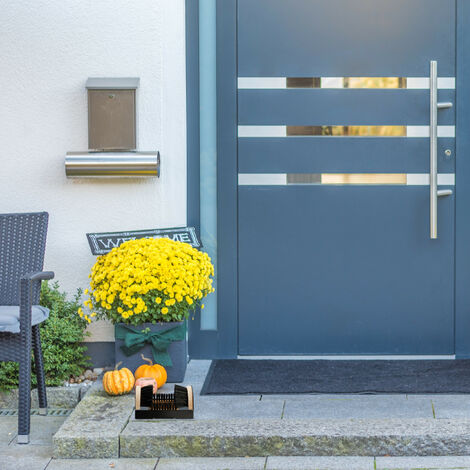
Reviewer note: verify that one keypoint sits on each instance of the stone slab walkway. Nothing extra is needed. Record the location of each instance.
(293, 410)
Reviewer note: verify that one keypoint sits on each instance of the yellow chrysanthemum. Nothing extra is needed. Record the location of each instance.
(134, 279)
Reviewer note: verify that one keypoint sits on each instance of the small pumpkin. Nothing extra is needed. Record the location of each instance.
(118, 382)
(155, 371)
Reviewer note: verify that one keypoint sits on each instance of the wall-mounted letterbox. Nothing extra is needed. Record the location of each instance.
(112, 117)
(112, 134)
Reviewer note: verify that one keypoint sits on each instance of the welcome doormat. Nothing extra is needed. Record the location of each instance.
(239, 376)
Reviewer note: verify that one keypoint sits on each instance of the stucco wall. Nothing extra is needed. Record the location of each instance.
(47, 51)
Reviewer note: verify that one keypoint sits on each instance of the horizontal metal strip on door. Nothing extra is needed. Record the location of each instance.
(279, 83)
(305, 38)
(301, 107)
(345, 154)
(339, 131)
(284, 179)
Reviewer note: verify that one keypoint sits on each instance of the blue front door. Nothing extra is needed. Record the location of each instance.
(335, 136)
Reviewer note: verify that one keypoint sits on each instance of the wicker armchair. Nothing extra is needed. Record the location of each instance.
(22, 247)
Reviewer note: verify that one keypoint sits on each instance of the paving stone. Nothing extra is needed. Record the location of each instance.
(8, 429)
(236, 406)
(195, 375)
(25, 457)
(413, 463)
(289, 437)
(359, 406)
(41, 431)
(43, 428)
(102, 464)
(57, 397)
(93, 428)
(451, 406)
(197, 371)
(320, 463)
(212, 463)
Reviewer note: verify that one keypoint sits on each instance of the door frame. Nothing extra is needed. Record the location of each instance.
(223, 343)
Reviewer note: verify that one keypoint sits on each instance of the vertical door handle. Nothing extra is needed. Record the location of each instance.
(434, 106)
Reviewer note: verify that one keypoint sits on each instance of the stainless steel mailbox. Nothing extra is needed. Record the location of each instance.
(112, 116)
(112, 134)
(112, 164)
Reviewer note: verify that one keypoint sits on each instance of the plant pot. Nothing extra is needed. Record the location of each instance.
(178, 351)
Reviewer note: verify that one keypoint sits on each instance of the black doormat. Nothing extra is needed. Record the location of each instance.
(231, 377)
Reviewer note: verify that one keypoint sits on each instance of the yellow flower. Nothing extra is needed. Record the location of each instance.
(162, 271)
(202, 306)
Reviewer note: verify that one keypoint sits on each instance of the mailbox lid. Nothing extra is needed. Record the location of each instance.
(112, 83)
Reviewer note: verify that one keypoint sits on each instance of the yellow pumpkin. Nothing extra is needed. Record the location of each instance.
(155, 371)
(118, 382)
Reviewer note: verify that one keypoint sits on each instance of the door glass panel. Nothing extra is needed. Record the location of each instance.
(381, 131)
(346, 82)
(346, 178)
(363, 178)
(304, 178)
(305, 82)
(374, 82)
(208, 148)
(412, 83)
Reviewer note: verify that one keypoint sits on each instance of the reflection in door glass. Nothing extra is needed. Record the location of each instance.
(346, 82)
(346, 178)
(380, 131)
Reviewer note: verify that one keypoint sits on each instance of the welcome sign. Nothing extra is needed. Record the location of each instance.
(102, 243)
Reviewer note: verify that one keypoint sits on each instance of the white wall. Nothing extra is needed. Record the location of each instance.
(48, 49)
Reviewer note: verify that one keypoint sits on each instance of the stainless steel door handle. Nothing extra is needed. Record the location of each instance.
(444, 192)
(434, 106)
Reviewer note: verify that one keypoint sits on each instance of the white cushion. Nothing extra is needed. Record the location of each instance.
(10, 317)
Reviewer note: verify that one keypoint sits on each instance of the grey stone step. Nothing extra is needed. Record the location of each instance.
(94, 427)
(57, 397)
(289, 437)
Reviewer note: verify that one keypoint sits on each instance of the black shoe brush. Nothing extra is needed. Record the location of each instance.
(181, 398)
(144, 396)
(184, 397)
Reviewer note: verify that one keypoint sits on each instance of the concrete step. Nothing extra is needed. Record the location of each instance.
(93, 428)
(271, 425)
(288, 437)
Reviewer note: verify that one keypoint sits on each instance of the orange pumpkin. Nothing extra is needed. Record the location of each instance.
(155, 371)
(118, 382)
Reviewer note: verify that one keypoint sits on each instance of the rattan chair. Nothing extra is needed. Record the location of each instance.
(22, 247)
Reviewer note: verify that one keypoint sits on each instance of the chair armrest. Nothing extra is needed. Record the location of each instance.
(26, 289)
(38, 276)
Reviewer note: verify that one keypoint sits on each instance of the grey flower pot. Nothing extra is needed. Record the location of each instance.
(178, 351)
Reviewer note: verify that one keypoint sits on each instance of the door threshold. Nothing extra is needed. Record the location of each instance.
(354, 357)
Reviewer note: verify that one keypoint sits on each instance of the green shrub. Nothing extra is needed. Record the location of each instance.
(62, 335)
